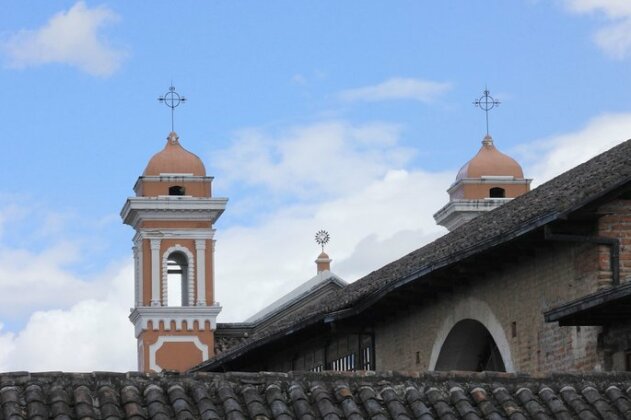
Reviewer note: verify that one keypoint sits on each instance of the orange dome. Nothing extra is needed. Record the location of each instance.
(174, 159)
(490, 162)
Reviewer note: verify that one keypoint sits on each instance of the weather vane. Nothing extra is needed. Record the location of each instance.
(322, 237)
(486, 103)
(172, 99)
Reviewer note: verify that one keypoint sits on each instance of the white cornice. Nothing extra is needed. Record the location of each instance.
(459, 211)
(155, 233)
(137, 209)
(141, 316)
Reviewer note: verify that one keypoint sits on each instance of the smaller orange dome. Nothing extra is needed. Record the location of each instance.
(323, 256)
(174, 159)
(490, 162)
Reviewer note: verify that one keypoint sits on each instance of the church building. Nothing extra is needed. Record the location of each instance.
(529, 281)
(173, 214)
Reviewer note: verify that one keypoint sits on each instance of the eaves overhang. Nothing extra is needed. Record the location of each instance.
(599, 308)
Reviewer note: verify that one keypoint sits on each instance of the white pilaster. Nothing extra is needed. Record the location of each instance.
(213, 244)
(200, 247)
(140, 272)
(136, 279)
(155, 272)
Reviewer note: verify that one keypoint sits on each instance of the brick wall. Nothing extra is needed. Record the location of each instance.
(513, 297)
(615, 222)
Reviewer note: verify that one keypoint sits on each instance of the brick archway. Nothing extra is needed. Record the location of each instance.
(477, 310)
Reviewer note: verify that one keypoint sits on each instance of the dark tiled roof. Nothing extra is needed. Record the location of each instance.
(558, 197)
(314, 396)
(223, 343)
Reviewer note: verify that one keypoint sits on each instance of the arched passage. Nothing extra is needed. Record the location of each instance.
(469, 307)
(470, 347)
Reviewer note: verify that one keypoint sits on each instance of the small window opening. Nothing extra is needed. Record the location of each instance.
(514, 329)
(497, 192)
(177, 190)
(177, 280)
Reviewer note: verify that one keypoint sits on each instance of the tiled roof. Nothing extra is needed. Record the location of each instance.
(326, 395)
(556, 198)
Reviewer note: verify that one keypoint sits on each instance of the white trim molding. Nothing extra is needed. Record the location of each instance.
(153, 348)
(141, 316)
(190, 276)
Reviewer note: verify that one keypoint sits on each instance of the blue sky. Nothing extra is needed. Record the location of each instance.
(349, 116)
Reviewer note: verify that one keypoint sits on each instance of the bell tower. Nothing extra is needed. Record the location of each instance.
(173, 214)
(484, 183)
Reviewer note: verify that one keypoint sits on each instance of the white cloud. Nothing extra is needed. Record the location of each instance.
(369, 227)
(397, 88)
(615, 37)
(50, 318)
(70, 37)
(612, 8)
(547, 158)
(324, 158)
(349, 179)
(93, 334)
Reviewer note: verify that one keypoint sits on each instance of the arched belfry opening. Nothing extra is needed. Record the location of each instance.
(177, 279)
(469, 346)
(497, 192)
(177, 190)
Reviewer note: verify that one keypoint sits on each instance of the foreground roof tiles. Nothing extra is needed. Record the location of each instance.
(353, 396)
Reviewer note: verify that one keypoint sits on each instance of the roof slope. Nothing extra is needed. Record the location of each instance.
(356, 396)
(299, 293)
(556, 198)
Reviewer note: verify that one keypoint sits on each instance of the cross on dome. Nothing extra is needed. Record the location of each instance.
(172, 99)
(486, 103)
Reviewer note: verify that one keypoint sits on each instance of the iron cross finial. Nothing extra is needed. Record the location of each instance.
(172, 99)
(486, 103)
